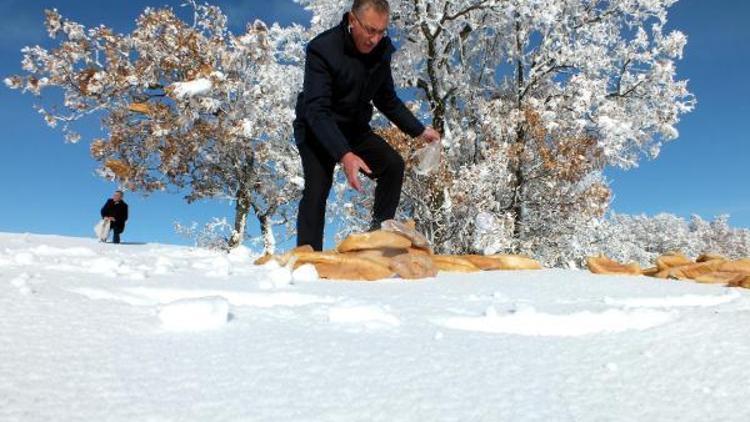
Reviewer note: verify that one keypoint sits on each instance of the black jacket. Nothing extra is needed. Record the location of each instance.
(117, 210)
(340, 87)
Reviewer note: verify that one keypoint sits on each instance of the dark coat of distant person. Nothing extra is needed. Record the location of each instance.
(116, 210)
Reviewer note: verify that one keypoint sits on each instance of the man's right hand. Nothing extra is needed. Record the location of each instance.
(352, 165)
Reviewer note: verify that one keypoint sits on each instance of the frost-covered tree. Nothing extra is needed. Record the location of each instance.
(188, 105)
(718, 236)
(643, 238)
(535, 98)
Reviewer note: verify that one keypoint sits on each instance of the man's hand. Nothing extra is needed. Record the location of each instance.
(430, 134)
(352, 165)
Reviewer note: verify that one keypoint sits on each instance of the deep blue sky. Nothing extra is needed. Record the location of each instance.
(47, 186)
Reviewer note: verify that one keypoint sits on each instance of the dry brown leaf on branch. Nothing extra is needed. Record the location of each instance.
(142, 108)
(98, 148)
(120, 168)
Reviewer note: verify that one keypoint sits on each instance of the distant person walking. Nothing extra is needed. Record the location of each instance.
(116, 211)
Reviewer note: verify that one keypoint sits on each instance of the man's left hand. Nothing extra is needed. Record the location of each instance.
(430, 135)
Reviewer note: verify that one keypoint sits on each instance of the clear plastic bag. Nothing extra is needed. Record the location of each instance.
(428, 158)
(417, 239)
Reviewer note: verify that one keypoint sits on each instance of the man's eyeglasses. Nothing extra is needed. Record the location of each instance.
(369, 30)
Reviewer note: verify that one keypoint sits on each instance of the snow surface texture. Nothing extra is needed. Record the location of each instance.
(92, 331)
(194, 314)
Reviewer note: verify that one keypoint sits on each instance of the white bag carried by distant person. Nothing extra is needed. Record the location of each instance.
(102, 229)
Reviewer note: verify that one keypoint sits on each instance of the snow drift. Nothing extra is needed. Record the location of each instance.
(156, 332)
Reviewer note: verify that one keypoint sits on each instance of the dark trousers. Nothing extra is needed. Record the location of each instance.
(117, 229)
(387, 169)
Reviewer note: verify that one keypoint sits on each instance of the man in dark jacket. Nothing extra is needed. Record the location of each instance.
(347, 70)
(116, 211)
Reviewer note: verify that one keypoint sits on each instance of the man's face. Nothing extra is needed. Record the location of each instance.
(368, 28)
(117, 197)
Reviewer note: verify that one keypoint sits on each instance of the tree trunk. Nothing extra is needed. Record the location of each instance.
(438, 116)
(519, 150)
(518, 185)
(430, 214)
(266, 230)
(241, 208)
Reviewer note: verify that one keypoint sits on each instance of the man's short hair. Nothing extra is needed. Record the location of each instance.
(380, 6)
(120, 192)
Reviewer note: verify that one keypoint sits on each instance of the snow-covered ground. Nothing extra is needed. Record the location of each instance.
(92, 331)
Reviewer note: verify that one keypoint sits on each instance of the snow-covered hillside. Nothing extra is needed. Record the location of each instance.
(92, 331)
